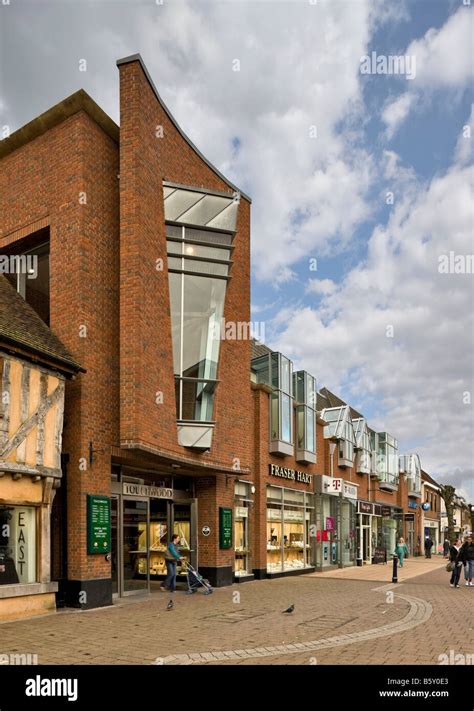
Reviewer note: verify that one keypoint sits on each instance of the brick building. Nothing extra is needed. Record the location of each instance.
(146, 253)
(173, 423)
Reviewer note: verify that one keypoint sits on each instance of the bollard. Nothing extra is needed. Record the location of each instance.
(395, 569)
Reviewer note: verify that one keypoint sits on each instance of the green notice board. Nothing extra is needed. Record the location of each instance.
(225, 527)
(98, 524)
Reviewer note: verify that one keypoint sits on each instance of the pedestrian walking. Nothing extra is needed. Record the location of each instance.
(401, 551)
(428, 547)
(466, 556)
(172, 556)
(455, 563)
(446, 548)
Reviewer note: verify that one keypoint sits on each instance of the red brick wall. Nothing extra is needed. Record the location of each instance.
(41, 184)
(145, 333)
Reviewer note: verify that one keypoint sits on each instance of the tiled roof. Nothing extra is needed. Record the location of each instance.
(21, 327)
(335, 401)
(259, 349)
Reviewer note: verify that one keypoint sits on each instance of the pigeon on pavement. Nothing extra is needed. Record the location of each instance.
(170, 605)
(289, 610)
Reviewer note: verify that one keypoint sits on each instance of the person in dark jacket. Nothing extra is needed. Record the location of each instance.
(454, 558)
(428, 547)
(446, 548)
(171, 558)
(466, 556)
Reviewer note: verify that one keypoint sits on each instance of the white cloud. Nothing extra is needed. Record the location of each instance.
(414, 381)
(321, 286)
(443, 61)
(395, 112)
(443, 57)
(464, 149)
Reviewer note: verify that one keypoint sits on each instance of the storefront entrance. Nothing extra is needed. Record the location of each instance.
(140, 534)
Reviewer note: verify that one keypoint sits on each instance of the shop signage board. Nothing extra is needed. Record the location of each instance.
(98, 524)
(412, 504)
(334, 486)
(364, 507)
(153, 492)
(410, 517)
(291, 474)
(386, 511)
(350, 491)
(225, 527)
(380, 555)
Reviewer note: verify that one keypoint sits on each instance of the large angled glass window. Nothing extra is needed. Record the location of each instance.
(304, 386)
(339, 428)
(276, 371)
(198, 280)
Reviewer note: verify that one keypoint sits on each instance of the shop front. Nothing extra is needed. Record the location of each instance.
(335, 523)
(368, 525)
(144, 515)
(289, 516)
(243, 491)
(391, 528)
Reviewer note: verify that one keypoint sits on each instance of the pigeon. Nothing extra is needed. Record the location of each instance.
(289, 610)
(170, 605)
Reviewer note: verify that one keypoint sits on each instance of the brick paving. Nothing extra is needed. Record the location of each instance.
(336, 621)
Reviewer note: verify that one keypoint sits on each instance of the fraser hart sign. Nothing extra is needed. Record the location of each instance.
(292, 474)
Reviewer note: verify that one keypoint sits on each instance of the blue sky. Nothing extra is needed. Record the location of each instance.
(318, 198)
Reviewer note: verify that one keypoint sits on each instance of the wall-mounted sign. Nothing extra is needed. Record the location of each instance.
(364, 507)
(98, 524)
(241, 512)
(334, 486)
(426, 506)
(329, 523)
(412, 504)
(206, 531)
(386, 511)
(350, 491)
(409, 517)
(291, 474)
(225, 527)
(154, 492)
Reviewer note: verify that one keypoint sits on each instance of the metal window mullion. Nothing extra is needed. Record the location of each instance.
(181, 344)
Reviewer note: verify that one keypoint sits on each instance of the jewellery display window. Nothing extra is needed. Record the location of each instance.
(288, 530)
(241, 538)
(158, 536)
(182, 527)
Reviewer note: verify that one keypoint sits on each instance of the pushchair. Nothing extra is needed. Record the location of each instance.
(196, 580)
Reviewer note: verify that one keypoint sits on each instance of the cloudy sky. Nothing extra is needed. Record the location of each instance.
(360, 181)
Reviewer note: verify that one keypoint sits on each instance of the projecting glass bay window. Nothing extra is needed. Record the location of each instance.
(304, 386)
(198, 265)
(275, 370)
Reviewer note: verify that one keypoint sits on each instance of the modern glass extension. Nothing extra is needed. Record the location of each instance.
(410, 464)
(387, 461)
(304, 386)
(340, 428)
(363, 458)
(199, 262)
(274, 370)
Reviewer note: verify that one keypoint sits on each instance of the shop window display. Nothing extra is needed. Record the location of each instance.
(288, 521)
(17, 544)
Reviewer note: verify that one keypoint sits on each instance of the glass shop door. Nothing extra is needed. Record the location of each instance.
(183, 520)
(135, 568)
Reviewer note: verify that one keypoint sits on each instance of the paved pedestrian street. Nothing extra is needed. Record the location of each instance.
(335, 621)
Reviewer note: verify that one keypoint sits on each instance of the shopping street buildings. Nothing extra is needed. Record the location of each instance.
(133, 251)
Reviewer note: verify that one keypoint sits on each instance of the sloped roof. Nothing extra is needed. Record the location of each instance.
(426, 477)
(21, 328)
(259, 349)
(335, 401)
(79, 101)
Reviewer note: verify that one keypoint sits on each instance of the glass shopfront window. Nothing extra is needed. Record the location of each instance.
(241, 529)
(17, 544)
(288, 528)
(335, 531)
